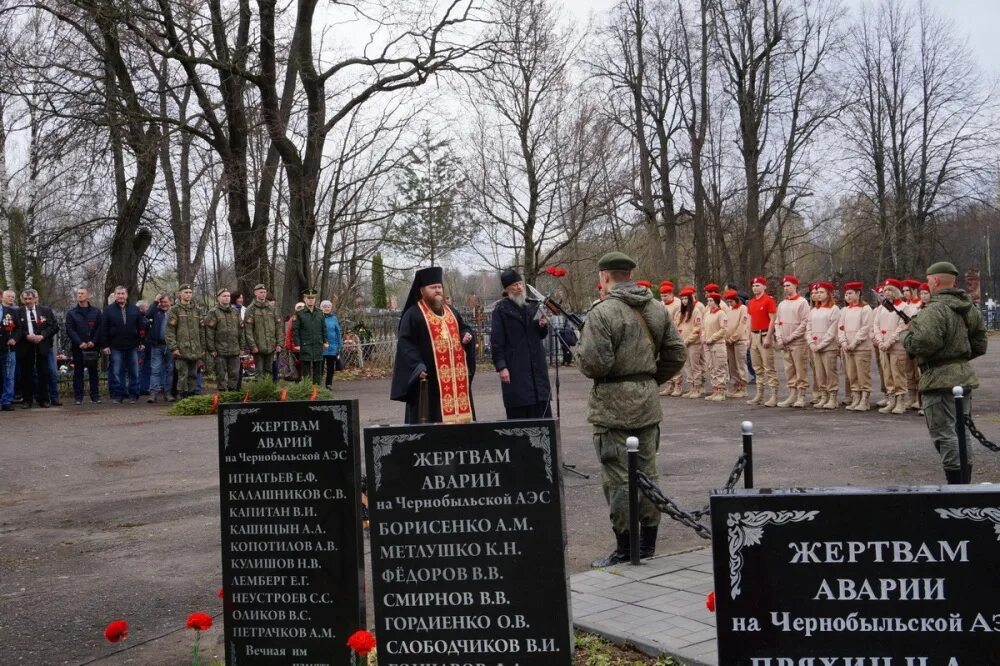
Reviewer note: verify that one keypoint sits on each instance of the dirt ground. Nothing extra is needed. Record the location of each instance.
(112, 511)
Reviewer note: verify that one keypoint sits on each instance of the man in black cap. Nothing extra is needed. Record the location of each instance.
(518, 354)
(435, 356)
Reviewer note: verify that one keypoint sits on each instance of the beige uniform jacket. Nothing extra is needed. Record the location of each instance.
(822, 327)
(738, 327)
(887, 327)
(791, 321)
(690, 331)
(856, 328)
(713, 326)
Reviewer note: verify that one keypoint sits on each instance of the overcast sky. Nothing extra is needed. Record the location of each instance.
(979, 20)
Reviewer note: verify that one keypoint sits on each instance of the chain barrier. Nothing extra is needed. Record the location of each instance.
(691, 519)
(980, 436)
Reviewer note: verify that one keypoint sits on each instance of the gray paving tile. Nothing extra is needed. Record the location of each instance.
(587, 604)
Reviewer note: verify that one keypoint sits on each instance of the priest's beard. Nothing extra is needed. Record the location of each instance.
(436, 304)
(518, 299)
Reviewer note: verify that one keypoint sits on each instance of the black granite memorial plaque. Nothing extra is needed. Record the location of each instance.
(292, 549)
(467, 535)
(858, 577)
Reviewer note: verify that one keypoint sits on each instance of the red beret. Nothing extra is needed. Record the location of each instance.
(790, 278)
(714, 295)
(911, 283)
(812, 285)
(924, 287)
(644, 283)
(711, 286)
(731, 294)
(760, 279)
(825, 285)
(853, 286)
(688, 290)
(893, 282)
(666, 287)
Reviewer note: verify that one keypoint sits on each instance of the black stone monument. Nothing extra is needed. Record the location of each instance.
(292, 548)
(468, 537)
(874, 577)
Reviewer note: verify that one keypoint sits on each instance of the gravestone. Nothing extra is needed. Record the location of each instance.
(292, 549)
(467, 536)
(858, 576)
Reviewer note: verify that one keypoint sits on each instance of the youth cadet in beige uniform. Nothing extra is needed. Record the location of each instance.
(689, 328)
(887, 327)
(821, 332)
(737, 340)
(790, 337)
(911, 306)
(673, 306)
(713, 337)
(856, 345)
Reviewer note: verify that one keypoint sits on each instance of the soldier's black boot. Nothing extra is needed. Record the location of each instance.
(954, 476)
(647, 542)
(619, 555)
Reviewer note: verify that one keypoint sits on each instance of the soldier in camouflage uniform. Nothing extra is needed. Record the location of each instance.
(222, 341)
(186, 340)
(309, 331)
(263, 331)
(943, 338)
(628, 347)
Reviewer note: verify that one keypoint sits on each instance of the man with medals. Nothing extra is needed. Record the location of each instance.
(435, 356)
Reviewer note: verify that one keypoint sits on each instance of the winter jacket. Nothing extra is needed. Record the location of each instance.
(334, 337)
(83, 325)
(516, 346)
(262, 327)
(122, 328)
(222, 331)
(626, 366)
(944, 337)
(185, 331)
(157, 326)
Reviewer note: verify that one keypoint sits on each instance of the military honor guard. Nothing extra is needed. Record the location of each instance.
(222, 341)
(186, 340)
(309, 334)
(263, 331)
(887, 327)
(689, 321)
(737, 342)
(790, 338)
(855, 337)
(763, 312)
(713, 340)
(435, 356)
(628, 347)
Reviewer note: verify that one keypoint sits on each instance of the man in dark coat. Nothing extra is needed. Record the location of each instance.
(518, 354)
(39, 327)
(123, 328)
(309, 333)
(10, 335)
(83, 325)
(435, 356)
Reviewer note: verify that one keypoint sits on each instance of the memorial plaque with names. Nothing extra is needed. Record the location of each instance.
(468, 537)
(292, 545)
(858, 576)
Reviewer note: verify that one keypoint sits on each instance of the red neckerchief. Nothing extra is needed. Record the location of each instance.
(898, 302)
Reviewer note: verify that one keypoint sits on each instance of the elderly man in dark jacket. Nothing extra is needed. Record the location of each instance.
(122, 331)
(83, 326)
(518, 354)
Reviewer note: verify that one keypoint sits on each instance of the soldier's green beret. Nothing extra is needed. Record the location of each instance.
(259, 286)
(309, 292)
(616, 261)
(942, 267)
(184, 287)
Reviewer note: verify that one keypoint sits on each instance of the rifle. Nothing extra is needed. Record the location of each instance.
(554, 307)
(888, 305)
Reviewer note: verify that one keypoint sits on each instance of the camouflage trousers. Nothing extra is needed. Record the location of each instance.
(227, 372)
(611, 451)
(187, 375)
(939, 411)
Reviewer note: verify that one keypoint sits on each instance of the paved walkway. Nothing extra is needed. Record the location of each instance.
(658, 606)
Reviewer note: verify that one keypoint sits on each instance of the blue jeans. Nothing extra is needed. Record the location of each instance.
(9, 361)
(92, 372)
(123, 375)
(145, 370)
(161, 369)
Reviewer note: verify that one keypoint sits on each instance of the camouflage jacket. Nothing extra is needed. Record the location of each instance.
(263, 328)
(222, 331)
(943, 338)
(185, 331)
(616, 352)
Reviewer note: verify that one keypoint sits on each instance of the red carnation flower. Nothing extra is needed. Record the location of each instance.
(199, 621)
(710, 602)
(560, 272)
(220, 592)
(550, 270)
(841, 328)
(115, 631)
(361, 642)
(815, 337)
(883, 331)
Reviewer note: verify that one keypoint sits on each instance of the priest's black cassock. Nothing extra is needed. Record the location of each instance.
(414, 353)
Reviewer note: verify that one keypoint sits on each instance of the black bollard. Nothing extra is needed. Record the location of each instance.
(632, 444)
(963, 451)
(747, 428)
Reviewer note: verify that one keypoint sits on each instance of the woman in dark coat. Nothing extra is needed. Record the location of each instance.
(518, 354)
